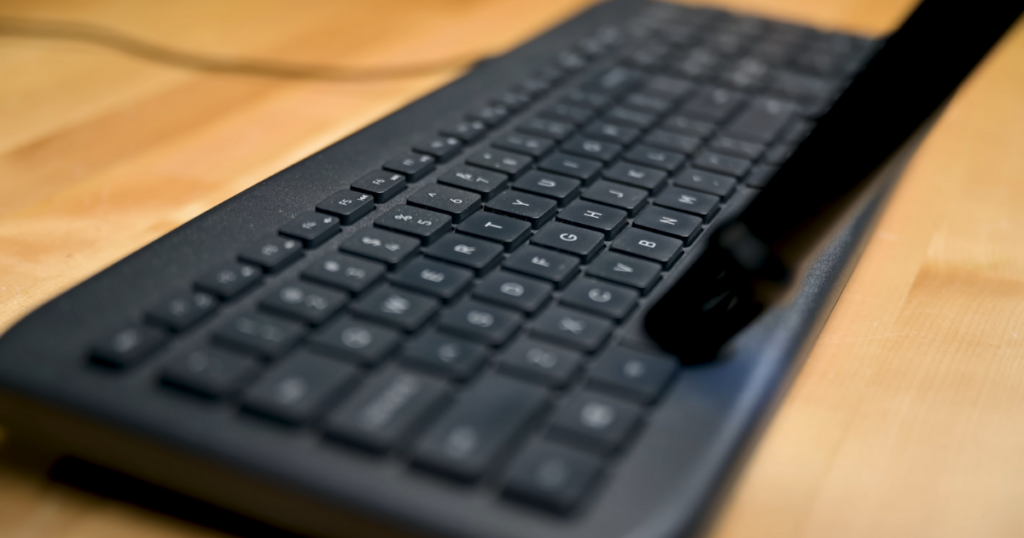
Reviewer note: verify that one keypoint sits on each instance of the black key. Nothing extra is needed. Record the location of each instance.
(712, 104)
(571, 329)
(467, 131)
(552, 477)
(349, 273)
(433, 278)
(627, 270)
(629, 117)
(210, 372)
(387, 409)
(299, 388)
(428, 226)
(736, 147)
(646, 103)
(629, 199)
(491, 114)
(779, 153)
(672, 141)
(446, 356)
(655, 157)
(568, 113)
(457, 203)
(711, 183)
(762, 120)
(481, 322)
(506, 231)
(540, 363)
(797, 131)
(483, 182)
(488, 416)
(514, 291)
(555, 130)
(544, 264)
(668, 87)
(230, 279)
(350, 206)
(260, 335)
(534, 146)
(273, 253)
(668, 222)
(479, 255)
(387, 247)
(562, 189)
(442, 148)
(760, 175)
(128, 345)
(182, 311)
(632, 374)
(611, 132)
(664, 250)
(716, 162)
(600, 298)
(688, 126)
(597, 217)
(383, 185)
(312, 228)
(528, 207)
(396, 307)
(593, 101)
(568, 165)
(565, 238)
(637, 175)
(697, 203)
(413, 165)
(355, 340)
(505, 162)
(534, 86)
(594, 422)
(615, 81)
(304, 302)
(594, 149)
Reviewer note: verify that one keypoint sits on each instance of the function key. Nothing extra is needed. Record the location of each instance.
(230, 280)
(524, 206)
(312, 228)
(534, 146)
(575, 330)
(604, 219)
(593, 422)
(552, 477)
(396, 307)
(481, 322)
(540, 363)
(505, 162)
(260, 335)
(612, 133)
(544, 264)
(632, 374)
(356, 340)
(688, 126)
(668, 222)
(299, 388)
(483, 182)
(182, 311)
(443, 148)
(697, 203)
(273, 254)
(626, 270)
(457, 203)
(708, 182)
(350, 206)
(560, 188)
(305, 302)
(383, 185)
(716, 162)
(433, 278)
(655, 247)
(637, 176)
(349, 273)
(413, 165)
(594, 149)
(428, 226)
(479, 255)
(655, 157)
(387, 247)
(128, 345)
(672, 141)
(568, 165)
(571, 239)
(514, 291)
(508, 232)
(626, 198)
(467, 131)
(555, 130)
(209, 372)
(444, 355)
(600, 298)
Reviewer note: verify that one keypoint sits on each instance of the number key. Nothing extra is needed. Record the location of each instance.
(457, 203)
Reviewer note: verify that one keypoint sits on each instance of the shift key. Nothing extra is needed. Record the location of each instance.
(467, 440)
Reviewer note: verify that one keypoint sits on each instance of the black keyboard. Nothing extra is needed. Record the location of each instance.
(437, 324)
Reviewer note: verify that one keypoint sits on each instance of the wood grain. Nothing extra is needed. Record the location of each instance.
(904, 422)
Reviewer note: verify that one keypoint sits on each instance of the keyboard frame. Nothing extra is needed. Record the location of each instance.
(663, 485)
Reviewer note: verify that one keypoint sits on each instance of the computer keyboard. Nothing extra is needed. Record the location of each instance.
(436, 324)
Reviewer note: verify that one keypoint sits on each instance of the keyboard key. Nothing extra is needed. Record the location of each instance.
(594, 423)
(672, 141)
(632, 374)
(481, 322)
(483, 182)
(128, 345)
(711, 183)
(312, 228)
(554, 130)
(513, 100)
(629, 199)
(413, 165)
(446, 356)
(427, 226)
(637, 176)
(505, 162)
(567, 113)
(762, 120)
(506, 231)
(760, 175)
(540, 363)
(627, 270)
(668, 87)
(614, 81)
(383, 413)
(552, 477)
(571, 329)
(491, 114)
(383, 185)
(433, 278)
(467, 131)
(210, 372)
(668, 222)
(468, 438)
(260, 335)
(304, 302)
(349, 273)
(349, 205)
(629, 118)
(528, 207)
(688, 126)
(396, 307)
(514, 291)
(611, 132)
(355, 340)
(273, 253)
(646, 103)
(594, 149)
(559, 188)
(568, 165)
(597, 217)
(736, 147)
(544, 264)
(571, 239)
(376, 244)
(299, 388)
(697, 203)
(716, 162)
(600, 298)
(712, 104)
(182, 311)
(442, 148)
(779, 153)
(230, 280)
(593, 101)
(479, 255)
(457, 203)
(654, 157)
(655, 247)
(533, 146)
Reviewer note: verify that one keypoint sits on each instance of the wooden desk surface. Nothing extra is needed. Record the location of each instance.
(906, 420)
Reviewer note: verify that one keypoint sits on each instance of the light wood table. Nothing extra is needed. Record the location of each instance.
(907, 421)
